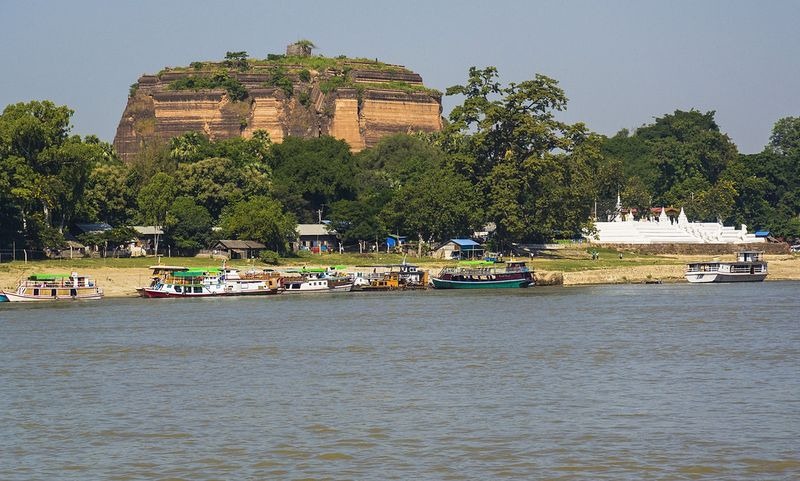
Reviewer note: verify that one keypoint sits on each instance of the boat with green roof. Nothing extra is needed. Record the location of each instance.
(54, 287)
(208, 282)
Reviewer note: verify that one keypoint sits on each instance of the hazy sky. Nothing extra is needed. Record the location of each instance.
(621, 63)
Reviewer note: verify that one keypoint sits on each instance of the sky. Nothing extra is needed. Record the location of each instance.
(622, 64)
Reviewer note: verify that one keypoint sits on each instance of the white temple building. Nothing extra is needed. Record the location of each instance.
(622, 229)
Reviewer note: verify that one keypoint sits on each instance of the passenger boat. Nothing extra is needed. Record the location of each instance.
(315, 280)
(484, 276)
(225, 281)
(398, 277)
(160, 274)
(749, 266)
(55, 287)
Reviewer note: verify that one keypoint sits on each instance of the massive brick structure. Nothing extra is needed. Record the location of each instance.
(358, 101)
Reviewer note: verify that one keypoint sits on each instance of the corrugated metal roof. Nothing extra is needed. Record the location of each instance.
(148, 230)
(465, 242)
(314, 229)
(240, 244)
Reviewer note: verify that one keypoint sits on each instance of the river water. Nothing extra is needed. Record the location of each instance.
(611, 382)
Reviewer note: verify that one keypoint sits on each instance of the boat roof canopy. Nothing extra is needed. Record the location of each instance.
(196, 272)
(47, 277)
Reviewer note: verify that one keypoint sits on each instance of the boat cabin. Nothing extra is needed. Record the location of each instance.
(750, 256)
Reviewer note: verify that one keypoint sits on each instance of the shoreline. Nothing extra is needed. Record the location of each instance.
(121, 282)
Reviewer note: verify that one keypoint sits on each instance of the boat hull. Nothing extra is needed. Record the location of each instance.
(487, 284)
(159, 294)
(718, 277)
(11, 297)
(313, 290)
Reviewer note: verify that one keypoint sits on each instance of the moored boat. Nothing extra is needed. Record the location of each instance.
(211, 282)
(55, 287)
(160, 274)
(313, 280)
(749, 266)
(398, 277)
(513, 275)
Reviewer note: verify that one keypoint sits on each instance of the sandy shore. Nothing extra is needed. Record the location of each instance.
(122, 282)
(781, 268)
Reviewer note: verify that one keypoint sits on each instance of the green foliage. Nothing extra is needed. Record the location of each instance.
(155, 199)
(330, 84)
(232, 85)
(237, 60)
(395, 85)
(357, 220)
(280, 78)
(261, 219)
(133, 89)
(197, 65)
(270, 257)
(305, 43)
(785, 138)
(304, 75)
(503, 139)
(43, 172)
(311, 173)
(438, 205)
(188, 225)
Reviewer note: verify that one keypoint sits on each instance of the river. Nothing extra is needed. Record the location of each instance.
(667, 382)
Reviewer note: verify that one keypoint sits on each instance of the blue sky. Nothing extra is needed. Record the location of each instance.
(621, 63)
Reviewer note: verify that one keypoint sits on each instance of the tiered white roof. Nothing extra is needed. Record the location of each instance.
(665, 231)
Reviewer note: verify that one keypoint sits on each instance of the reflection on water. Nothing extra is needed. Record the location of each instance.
(613, 382)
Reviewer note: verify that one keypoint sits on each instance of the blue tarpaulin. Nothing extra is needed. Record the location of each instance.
(762, 233)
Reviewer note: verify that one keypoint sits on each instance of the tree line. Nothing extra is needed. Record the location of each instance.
(502, 159)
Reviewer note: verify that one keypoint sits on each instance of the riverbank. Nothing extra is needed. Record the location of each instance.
(121, 277)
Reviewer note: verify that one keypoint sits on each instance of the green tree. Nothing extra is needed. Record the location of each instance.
(262, 219)
(188, 225)
(436, 206)
(108, 196)
(155, 199)
(505, 140)
(45, 170)
(357, 221)
(785, 137)
(237, 60)
(312, 173)
(214, 182)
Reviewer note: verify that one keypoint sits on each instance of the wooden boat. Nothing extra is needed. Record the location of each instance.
(54, 287)
(484, 276)
(749, 266)
(225, 281)
(398, 277)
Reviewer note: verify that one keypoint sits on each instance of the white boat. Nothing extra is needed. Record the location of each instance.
(210, 282)
(749, 266)
(54, 287)
(309, 284)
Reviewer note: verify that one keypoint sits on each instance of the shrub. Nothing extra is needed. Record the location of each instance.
(269, 257)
